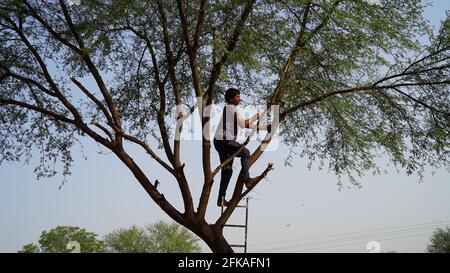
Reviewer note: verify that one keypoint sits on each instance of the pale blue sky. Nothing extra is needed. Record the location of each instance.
(294, 210)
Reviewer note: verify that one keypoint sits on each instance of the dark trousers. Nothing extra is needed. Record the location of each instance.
(227, 148)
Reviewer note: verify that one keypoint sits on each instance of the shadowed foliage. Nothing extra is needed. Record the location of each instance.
(354, 81)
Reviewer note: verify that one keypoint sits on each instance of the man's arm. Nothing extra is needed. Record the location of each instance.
(248, 123)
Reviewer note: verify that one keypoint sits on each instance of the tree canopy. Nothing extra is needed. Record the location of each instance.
(65, 239)
(440, 241)
(353, 81)
(160, 237)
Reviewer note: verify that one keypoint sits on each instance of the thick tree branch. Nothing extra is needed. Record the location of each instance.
(196, 79)
(78, 123)
(78, 120)
(94, 99)
(238, 195)
(178, 170)
(372, 87)
(254, 181)
(290, 60)
(199, 27)
(159, 198)
(191, 51)
(44, 69)
(149, 151)
(231, 45)
(91, 66)
(162, 108)
(27, 80)
(162, 95)
(31, 11)
(418, 61)
(172, 75)
(46, 112)
(376, 85)
(409, 73)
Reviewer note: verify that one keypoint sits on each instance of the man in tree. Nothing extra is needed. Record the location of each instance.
(352, 80)
(226, 144)
(440, 241)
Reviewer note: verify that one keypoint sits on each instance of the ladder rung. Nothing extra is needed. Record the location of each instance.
(237, 245)
(238, 206)
(243, 226)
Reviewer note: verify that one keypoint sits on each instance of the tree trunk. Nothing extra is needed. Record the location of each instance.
(218, 243)
(213, 237)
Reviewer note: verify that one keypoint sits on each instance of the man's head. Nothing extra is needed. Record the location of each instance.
(233, 96)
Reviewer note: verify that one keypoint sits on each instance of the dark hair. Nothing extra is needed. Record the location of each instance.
(231, 93)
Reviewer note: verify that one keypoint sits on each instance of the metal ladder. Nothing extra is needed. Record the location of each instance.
(240, 226)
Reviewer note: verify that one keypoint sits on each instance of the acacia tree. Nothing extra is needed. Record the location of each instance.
(352, 80)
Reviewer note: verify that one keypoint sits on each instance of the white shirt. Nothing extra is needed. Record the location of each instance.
(230, 128)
